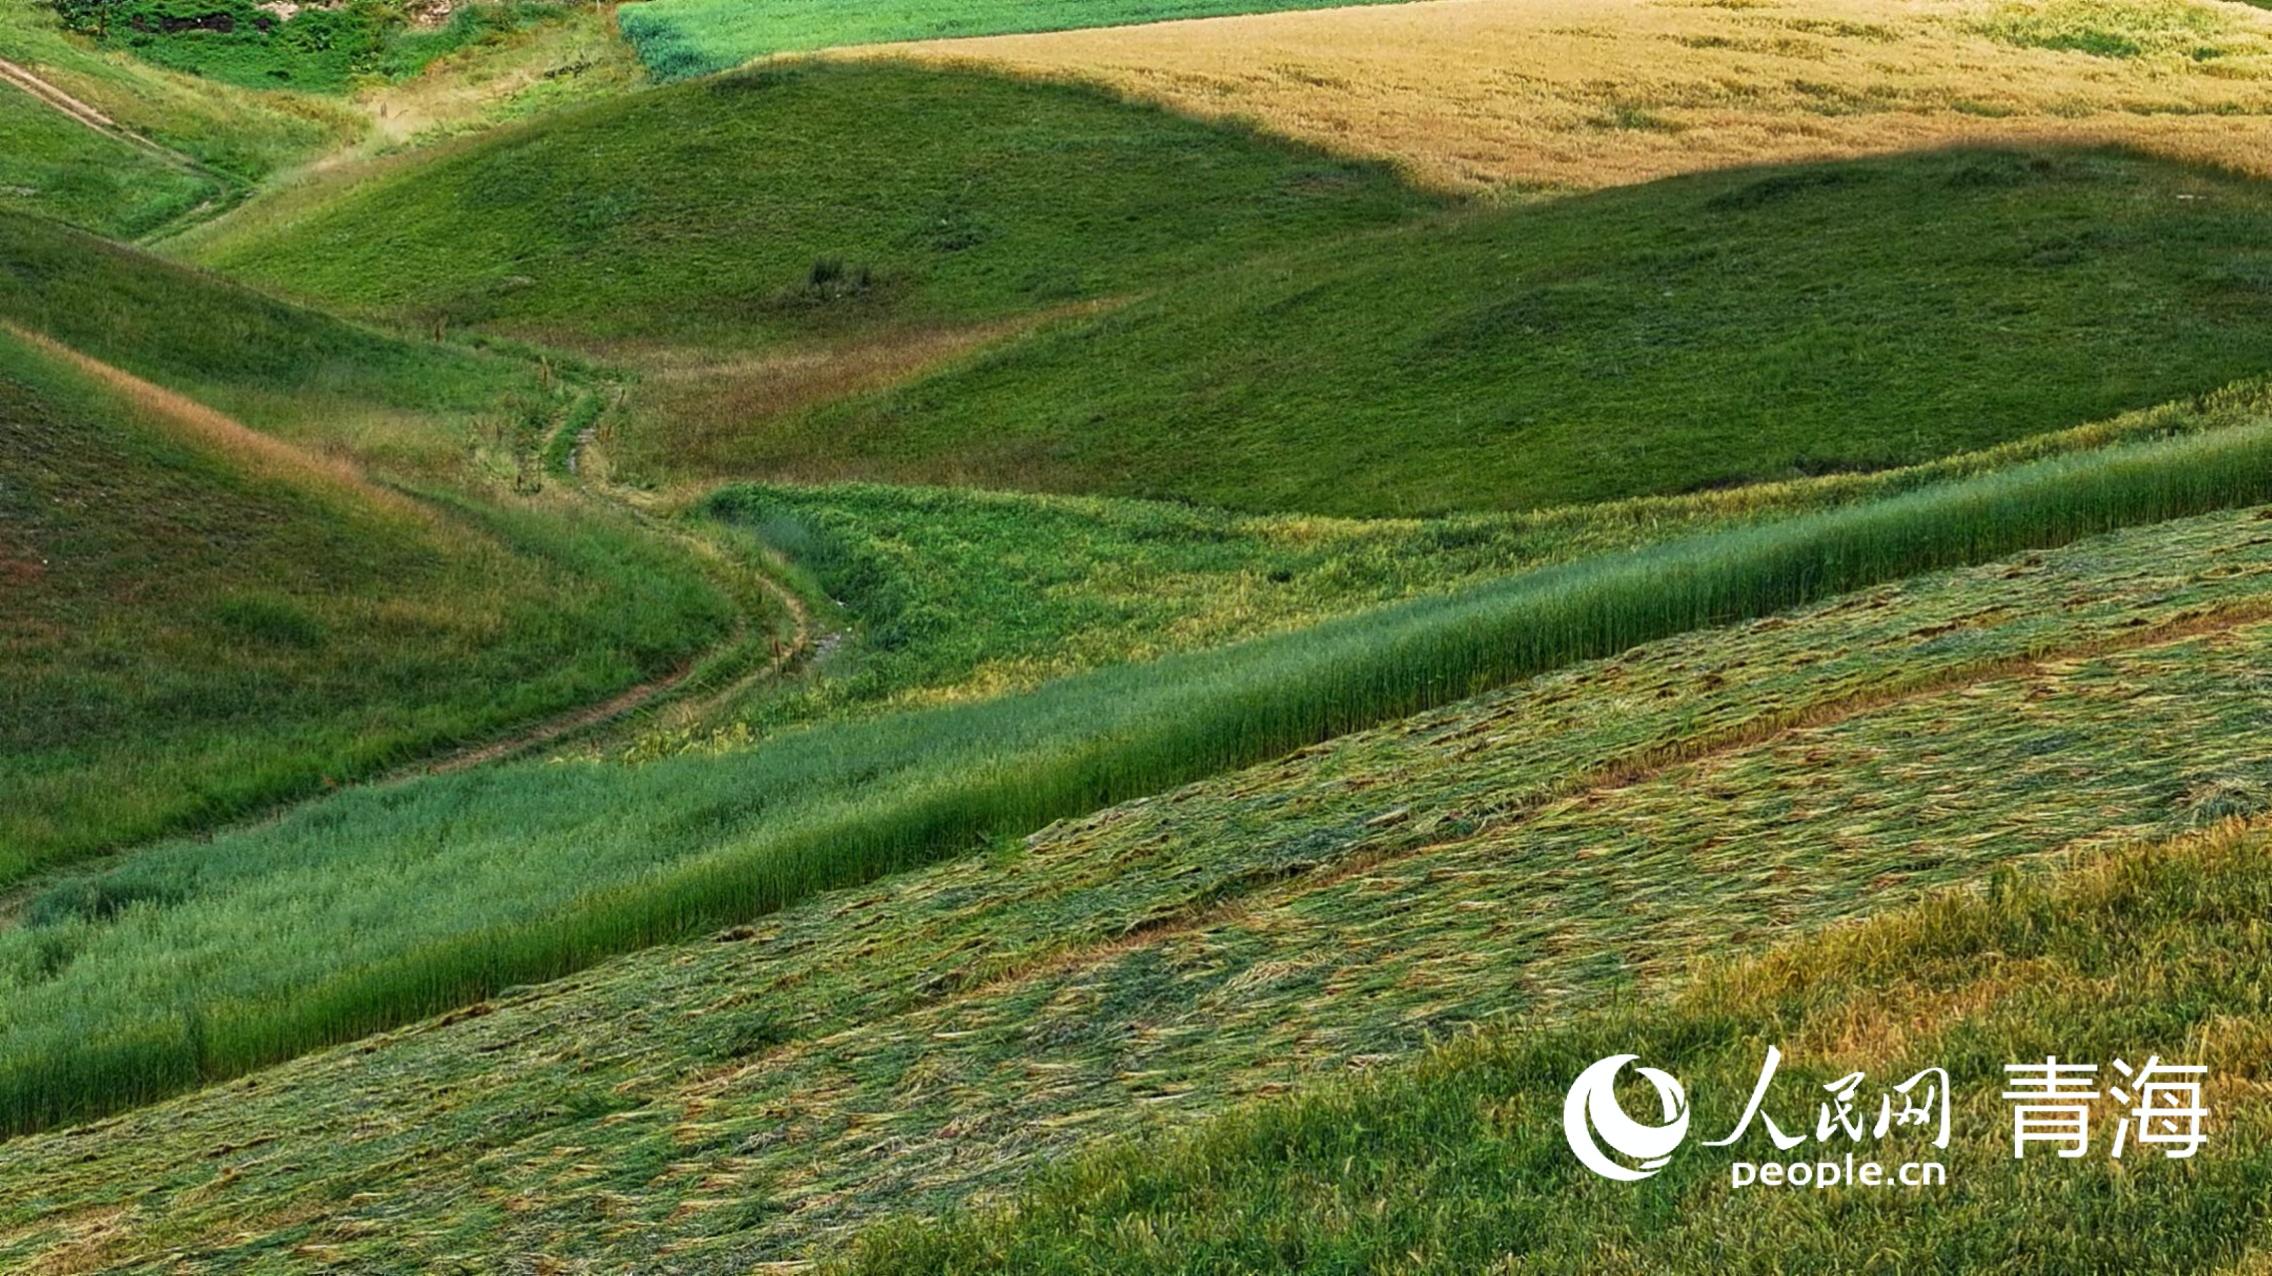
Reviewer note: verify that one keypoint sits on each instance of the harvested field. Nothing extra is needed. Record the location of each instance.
(906, 1045)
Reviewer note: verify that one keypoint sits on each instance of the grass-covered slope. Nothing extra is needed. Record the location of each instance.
(224, 600)
(678, 38)
(899, 1047)
(57, 166)
(417, 899)
(949, 594)
(1695, 332)
(416, 408)
(2154, 949)
(198, 626)
(236, 135)
(808, 199)
(953, 594)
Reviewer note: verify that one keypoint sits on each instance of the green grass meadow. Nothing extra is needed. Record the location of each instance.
(680, 38)
(807, 200)
(1536, 852)
(199, 640)
(239, 135)
(60, 169)
(626, 647)
(190, 643)
(319, 49)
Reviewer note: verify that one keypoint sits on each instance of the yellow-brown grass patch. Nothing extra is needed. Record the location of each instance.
(1472, 95)
(256, 453)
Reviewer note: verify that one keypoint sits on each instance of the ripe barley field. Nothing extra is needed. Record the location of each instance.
(1547, 95)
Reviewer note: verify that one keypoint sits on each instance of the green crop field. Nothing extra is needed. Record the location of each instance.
(744, 635)
(678, 38)
(101, 1015)
(1516, 854)
(2153, 947)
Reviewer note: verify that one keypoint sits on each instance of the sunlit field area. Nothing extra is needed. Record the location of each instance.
(1121, 636)
(1533, 96)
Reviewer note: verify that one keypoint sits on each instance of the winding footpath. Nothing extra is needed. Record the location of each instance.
(208, 427)
(24, 78)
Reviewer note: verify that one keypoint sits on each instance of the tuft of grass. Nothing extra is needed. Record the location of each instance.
(1706, 331)
(672, 848)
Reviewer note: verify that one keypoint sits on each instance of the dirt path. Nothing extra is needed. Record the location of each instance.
(803, 638)
(23, 78)
(277, 458)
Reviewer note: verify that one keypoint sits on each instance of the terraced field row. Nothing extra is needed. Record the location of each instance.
(938, 1035)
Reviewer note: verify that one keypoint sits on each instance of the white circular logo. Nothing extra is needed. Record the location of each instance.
(1591, 1111)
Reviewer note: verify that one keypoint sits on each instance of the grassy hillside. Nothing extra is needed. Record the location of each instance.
(947, 595)
(404, 618)
(1697, 332)
(678, 38)
(60, 168)
(899, 1047)
(1520, 96)
(197, 629)
(2157, 948)
(416, 409)
(944, 594)
(239, 135)
(804, 200)
(418, 899)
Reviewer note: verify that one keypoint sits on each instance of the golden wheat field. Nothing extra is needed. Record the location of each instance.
(1546, 95)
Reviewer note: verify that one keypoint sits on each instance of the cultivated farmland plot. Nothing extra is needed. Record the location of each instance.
(1093, 637)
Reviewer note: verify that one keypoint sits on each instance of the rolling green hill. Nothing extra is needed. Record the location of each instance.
(802, 200)
(195, 632)
(56, 166)
(678, 38)
(1695, 332)
(315, 48)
